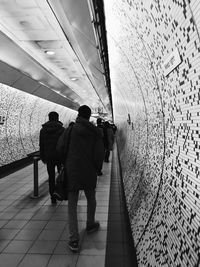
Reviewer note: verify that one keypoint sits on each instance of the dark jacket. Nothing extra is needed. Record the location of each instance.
(49, 135)
(108, 137)
(85, 154)
(101, 128)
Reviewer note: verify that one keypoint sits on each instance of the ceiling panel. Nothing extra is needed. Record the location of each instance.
(33, 29)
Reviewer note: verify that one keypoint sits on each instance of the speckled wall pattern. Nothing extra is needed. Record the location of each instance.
(160, 148)
(23, 116)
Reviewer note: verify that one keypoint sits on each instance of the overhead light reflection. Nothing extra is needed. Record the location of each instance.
(50, 52)
(73, 79)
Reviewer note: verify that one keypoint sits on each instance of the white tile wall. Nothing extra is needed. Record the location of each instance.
(24, 116)
(160, 148)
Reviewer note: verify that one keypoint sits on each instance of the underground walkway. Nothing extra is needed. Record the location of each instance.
(34, 233)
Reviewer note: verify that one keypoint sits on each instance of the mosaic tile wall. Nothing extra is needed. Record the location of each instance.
(21, 117)
(158, 118)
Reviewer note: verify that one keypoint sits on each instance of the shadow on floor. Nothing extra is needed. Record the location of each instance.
(43, 192)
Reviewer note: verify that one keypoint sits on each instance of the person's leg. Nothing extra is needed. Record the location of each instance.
(72, 213)
(51, 173)
(91, 224)
(107, 154)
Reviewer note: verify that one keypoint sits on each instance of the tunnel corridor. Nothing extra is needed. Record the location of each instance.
(136, 63)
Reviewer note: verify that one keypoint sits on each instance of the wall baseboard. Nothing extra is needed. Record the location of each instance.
(14, 166)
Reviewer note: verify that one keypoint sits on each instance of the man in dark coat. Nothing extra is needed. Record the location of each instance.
(100, 126)
(49, 135)
(84, 160)
(108, 140)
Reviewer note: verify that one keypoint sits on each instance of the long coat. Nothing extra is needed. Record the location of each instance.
(108, 137)
(49, 135)
(84, 156)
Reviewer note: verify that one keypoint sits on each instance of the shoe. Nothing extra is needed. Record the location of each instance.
(73, 246)
(106, 160)
(58, 196)
(93, 228)
(100, 173)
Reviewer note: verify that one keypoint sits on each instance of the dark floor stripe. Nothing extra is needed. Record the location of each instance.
(120, 249)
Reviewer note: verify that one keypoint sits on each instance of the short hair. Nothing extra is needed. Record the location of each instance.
(53, 116)
(84, 112)
(99, 121)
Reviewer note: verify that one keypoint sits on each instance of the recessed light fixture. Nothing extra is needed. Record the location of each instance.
(50, 52)
(73, 79)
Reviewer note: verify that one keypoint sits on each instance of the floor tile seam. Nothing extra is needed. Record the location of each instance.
(31, 254)
(28, 251)
(24, 255)
(5, 246)
(19, 252)
(18, 230)
(52, 254)
(34, 240)
(22, 228)
(30, 186)
(8, 206)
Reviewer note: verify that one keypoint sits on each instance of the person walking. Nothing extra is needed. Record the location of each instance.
(100, 126)
(83, 161)
(109, 140)
(49, 135)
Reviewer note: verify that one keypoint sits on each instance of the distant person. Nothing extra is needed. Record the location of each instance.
(100, 124)
(101, 127)
(49, 134)
(114, 127)
(109, 140)
(84, 159)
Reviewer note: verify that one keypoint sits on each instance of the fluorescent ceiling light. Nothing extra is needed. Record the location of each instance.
(73, 79)
(49, 52)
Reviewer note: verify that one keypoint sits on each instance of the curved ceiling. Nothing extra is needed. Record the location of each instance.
(56, 46)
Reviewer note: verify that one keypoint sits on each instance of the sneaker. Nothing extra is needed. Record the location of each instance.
(100, 173)
(93, 228)
(57, 196)
(73, 246)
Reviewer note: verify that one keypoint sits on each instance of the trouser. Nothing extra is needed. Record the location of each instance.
(51, 172)
(107, 154)
(101, 166)
(72, 212)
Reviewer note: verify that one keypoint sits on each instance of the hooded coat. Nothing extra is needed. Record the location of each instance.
(49, 135)
(84, 156)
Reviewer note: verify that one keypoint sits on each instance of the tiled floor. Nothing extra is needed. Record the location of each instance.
(33, 233)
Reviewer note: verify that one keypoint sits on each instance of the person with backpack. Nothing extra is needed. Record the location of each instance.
(49, 135)
(82, 164)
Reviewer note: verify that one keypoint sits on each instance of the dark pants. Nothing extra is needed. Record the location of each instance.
(72, 212)
(107, 155)
(51, 165)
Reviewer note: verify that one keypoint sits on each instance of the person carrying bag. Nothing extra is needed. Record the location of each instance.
(61, 188)
(84, 160)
